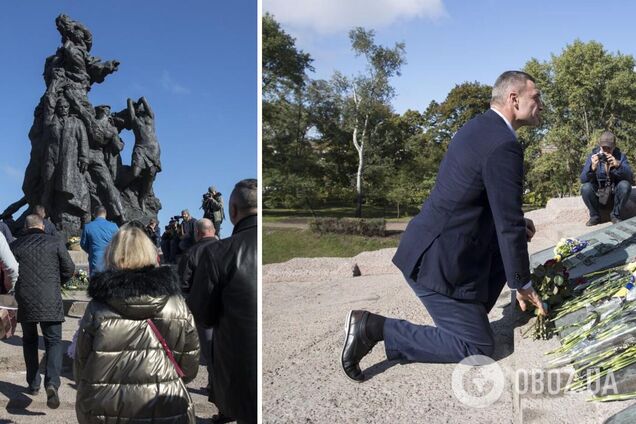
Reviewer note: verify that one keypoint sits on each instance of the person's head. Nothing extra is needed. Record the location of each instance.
(212, 189)
(516, 96)
(607, 142)
(152, 223)
(101, 111)
(243, 200)
(100, 212)
(204, 228)
(185, 214)
(130, 248)
(33, 221)
(40, 211)
(62, 107)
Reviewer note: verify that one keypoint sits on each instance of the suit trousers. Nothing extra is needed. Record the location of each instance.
(461, 327)
(52, 334)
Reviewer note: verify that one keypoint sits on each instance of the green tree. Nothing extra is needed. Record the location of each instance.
(291, 167)
(585, 90)
(368, 94)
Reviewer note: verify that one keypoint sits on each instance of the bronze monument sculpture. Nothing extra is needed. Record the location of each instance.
(75, 162)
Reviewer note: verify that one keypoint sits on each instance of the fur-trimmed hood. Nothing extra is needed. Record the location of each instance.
(135, 294)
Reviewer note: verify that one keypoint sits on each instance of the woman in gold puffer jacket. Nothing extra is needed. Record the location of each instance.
(123, 373)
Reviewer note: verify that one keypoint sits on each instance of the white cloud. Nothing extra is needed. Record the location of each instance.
(12, 173)
(330, 16)
(171, 85)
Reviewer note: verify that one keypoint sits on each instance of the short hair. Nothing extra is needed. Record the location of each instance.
(130, 248)
(506, 82)
(245, 195)
(152, 221)
(204, 225)
(185, 211)
(39, 210)
(33, 221)
(99, 210)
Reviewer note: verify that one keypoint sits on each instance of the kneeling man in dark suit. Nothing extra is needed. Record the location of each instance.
(469, 239)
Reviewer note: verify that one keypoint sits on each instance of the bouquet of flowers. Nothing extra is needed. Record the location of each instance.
(73, 243)
(567, 247)
(550, 281)
(79, 281)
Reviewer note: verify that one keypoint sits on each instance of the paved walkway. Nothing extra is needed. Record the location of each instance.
(16, 406)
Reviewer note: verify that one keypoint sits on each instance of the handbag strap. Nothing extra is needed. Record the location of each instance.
(164, 344)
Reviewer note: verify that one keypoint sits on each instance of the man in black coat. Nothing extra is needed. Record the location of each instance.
(204, 234)
(44, 265)
(224, 296)
(469, 239)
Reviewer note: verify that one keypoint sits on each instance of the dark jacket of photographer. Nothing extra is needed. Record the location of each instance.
(598, 177)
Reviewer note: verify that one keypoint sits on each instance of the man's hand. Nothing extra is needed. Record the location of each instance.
(595, 159)
(530, 230)
(611, 160)
(529, 295)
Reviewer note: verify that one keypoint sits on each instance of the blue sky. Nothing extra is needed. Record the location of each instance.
(195, 61)
(449, 42)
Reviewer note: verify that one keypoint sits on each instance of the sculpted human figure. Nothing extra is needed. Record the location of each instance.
(75, 161)
(146, 160)
(65, 161)
(103, 137)
(69, 72)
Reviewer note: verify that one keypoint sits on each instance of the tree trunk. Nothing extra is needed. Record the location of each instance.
(359, 145)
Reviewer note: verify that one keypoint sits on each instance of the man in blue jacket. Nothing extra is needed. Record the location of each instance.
(607, 180)
(469, 239)
(95, 238)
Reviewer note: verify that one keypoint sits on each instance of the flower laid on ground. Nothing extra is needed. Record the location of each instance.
(79, 281)
(567, 247)
(550, 281)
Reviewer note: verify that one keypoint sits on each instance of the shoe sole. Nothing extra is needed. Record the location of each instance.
(53, 399)
(344, 345)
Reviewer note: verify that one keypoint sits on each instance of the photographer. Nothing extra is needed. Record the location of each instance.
(170, 240)
(212, 206)
(152, 230)
(607, 180)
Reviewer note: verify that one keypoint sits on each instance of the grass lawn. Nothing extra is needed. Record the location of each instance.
(280, 245)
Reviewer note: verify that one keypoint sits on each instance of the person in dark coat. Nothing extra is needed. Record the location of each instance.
(49, 228)
(204, 233)
(44, 266)
(224, 296)
(469, 239)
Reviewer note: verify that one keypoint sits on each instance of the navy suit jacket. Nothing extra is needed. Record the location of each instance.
(472, 223)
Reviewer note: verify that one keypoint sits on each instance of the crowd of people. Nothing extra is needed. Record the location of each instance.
(149, 319)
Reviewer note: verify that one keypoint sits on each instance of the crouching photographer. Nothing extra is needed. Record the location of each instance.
(607, 180)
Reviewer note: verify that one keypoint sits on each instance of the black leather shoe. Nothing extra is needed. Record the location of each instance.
(356, 344)
(52, 399)
(593, 221)
(33, 391)
(615, 219)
